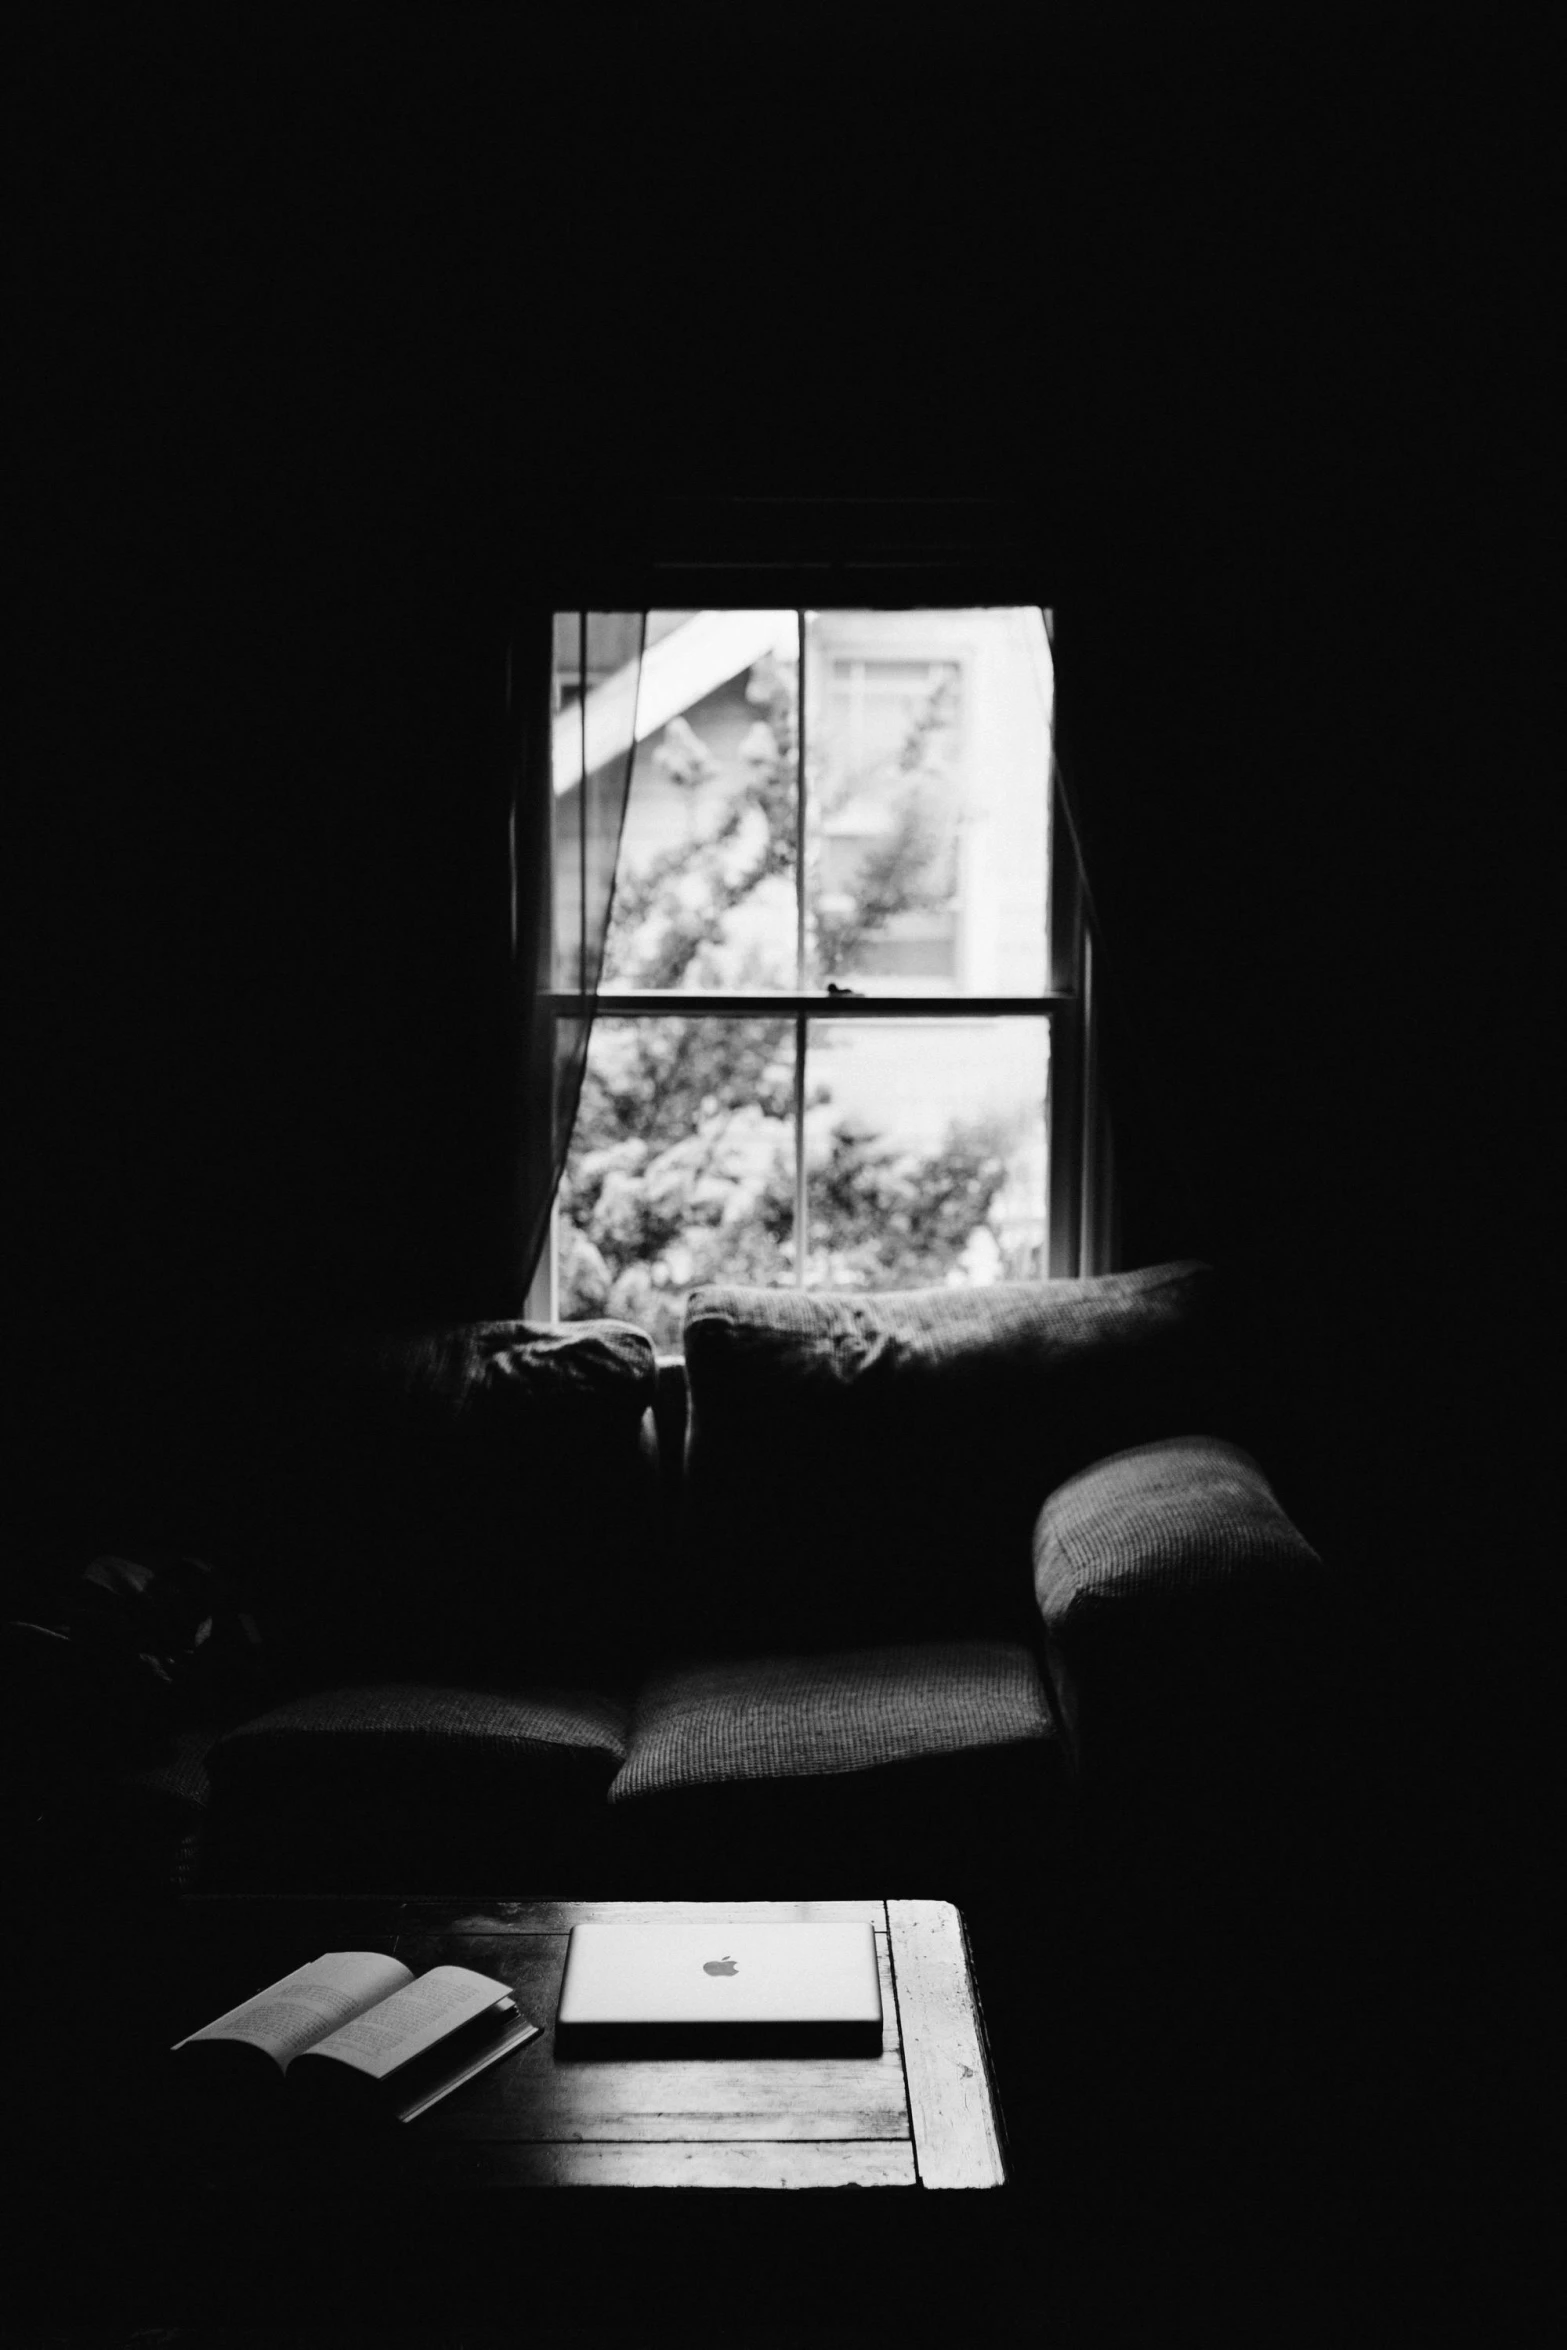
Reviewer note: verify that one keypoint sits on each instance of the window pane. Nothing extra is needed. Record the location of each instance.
(597, 670)
(928, 762)
(926, 1152)
(705, 891)
(681, 1168)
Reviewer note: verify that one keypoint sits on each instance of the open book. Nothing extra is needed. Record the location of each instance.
(360, 2033)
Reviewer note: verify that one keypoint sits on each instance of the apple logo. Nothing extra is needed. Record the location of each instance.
(719, 1966)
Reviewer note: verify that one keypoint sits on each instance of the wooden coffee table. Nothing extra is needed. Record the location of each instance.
(204, 2214)
(921, 2114)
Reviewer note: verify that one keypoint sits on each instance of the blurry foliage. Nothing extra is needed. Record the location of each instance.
(682, 1163)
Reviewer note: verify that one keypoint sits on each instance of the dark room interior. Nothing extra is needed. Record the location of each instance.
(342, 342)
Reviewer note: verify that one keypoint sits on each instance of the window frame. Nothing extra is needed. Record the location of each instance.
(1080, 1217)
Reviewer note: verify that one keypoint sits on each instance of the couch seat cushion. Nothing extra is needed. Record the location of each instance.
(161, 1810)
(408, 1730)
(921, 1770)
(407, 1788)
(787, 1717)
(868, 1468)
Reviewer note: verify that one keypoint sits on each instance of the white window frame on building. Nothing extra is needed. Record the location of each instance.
(866, 647)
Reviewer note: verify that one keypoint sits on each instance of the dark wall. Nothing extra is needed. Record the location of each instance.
(1304, 710)
(322, 336)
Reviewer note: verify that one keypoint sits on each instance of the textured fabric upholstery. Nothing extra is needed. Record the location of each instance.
(866, 1468)
(772, 1717)
(1174, 1593)
(477, 1505)
(462, 1734)
(413, 1788)
(157, 1816)
(177, 1777)
(1194, 1644)
(920, 1770)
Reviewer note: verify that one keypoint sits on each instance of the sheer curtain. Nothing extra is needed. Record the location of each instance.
(574, 685)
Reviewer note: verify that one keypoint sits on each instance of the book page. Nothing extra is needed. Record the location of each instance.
(295, 2012)
(413, 2019)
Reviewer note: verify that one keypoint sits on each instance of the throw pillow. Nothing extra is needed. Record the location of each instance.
(479, 1504)
(869, 1467)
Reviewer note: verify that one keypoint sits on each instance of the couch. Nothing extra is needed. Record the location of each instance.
(969, 1592)
(858, 1589)
(977, 1594)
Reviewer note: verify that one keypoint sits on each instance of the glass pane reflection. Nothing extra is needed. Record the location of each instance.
(927, 817)
(681, 1168)
(705, 888)
(926, 1152)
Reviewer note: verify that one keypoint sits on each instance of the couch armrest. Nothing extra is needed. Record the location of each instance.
(1186, 1620)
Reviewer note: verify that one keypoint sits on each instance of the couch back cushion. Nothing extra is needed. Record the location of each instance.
(477, 1503)
(869, 1468)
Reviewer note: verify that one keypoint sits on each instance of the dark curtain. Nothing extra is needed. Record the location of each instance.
(574, 684)
(1119, 797)
(1252, 853)
(1205, 1079)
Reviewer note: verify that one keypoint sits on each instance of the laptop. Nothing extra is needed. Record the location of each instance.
(684, 1988)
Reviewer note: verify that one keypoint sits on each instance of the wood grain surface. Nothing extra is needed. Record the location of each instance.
(919, 2114)
(956, 2130)
(543, 1916)
(852, 2162)
(782, 2098)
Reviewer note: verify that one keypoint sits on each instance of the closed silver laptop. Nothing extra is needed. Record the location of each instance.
(684, 1988)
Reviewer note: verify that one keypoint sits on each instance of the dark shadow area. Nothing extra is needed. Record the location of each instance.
(334, 348)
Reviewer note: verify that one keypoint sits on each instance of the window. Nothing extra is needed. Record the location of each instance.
(842, 1036)
(884, 715)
